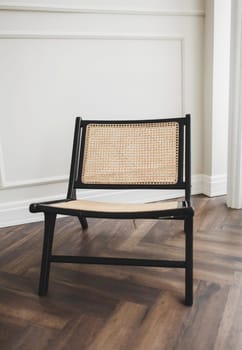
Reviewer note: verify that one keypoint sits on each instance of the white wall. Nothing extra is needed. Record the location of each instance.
(109, 59)
(216, 95)
(234, 197)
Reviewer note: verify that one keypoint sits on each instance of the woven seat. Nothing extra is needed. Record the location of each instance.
(144, 154)
(115, 207)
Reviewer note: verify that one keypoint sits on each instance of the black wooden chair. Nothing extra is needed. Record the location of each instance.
(143, 154)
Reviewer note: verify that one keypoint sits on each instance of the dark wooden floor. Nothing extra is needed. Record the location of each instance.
(114, 308)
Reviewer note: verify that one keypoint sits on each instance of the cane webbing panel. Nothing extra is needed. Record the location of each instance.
(144, 153)
(83, 205)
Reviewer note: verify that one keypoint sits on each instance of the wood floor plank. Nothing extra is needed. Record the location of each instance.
(120, 327)
(10, 332)
(204, 319)
(159, 324)
(229, 332)
(98, 307)
(78, 333)
(108, 287)
(23, 307)
(34, 336)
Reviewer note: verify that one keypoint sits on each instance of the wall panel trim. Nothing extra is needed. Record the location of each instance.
(15, 213)
(87, 36)
(99, 11)
(4, 183)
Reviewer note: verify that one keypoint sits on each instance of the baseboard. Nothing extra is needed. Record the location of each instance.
(214, 185)
(15, 213)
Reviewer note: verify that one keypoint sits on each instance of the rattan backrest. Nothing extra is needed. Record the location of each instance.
(131, 154)
(144, 154)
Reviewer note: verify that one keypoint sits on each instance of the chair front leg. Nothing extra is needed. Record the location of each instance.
(50, 219)
(189, 261)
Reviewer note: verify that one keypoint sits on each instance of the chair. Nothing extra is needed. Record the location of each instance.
(143, 154)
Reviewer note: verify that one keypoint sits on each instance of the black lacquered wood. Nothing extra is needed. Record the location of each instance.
(50, 219)
(71, 193)
(116, 261)
(180, 184)
(183, 212)
(188, 158)
(189, 261)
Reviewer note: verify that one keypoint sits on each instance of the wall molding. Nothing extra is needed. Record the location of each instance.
(4, 183)
(17, 212)
(214, 185)
(34, 182)
(2, 169)
(24, 7)
(87, 36)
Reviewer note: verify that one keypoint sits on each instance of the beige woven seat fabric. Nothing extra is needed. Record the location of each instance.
(115, 207)
(143, 153)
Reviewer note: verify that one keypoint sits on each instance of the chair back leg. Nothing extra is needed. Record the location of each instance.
(50, 219)
(83, 222)
(188, 224)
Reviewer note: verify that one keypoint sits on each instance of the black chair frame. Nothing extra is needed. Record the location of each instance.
(185, 212)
